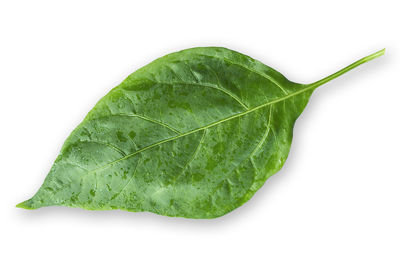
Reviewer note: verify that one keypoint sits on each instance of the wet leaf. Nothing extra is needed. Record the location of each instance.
(193, 134)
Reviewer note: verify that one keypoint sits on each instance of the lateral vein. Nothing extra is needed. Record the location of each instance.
(210, 86)
(265, 76)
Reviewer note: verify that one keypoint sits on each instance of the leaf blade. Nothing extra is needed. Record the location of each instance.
(193, 134)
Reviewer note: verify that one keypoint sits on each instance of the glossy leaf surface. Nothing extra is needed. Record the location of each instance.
(193, 134)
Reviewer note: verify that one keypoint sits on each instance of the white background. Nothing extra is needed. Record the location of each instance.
(336, 202)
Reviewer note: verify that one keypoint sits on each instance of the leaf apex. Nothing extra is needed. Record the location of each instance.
(25, 205)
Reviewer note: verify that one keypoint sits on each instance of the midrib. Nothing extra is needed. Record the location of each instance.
(310, 87)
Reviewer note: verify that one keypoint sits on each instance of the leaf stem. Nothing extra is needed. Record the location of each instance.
(348, 68)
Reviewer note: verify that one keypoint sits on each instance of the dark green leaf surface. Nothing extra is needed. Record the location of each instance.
(193, 134)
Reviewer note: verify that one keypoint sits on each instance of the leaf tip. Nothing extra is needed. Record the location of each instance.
(25, 205)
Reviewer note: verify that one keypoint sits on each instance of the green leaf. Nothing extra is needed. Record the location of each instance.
(193, 134)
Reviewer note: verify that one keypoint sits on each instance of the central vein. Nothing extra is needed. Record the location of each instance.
(209, 125)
